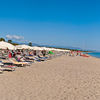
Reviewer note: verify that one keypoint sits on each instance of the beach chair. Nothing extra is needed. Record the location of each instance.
(6, 62)
(39, 59)
(1, 70)
(7, 67)
(23, 59)
(30, 58)
(19, 64)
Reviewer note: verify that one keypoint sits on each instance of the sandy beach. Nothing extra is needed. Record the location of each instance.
(62, 78)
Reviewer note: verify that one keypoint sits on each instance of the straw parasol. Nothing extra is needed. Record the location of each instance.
(6, 45)
(23, 47)
(37, 48)
(2, 47)
(45, 48)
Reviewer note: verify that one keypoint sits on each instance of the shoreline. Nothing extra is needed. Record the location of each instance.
(94, 56)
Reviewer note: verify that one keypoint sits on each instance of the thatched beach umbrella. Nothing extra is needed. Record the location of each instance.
(6, 45)
(45, 48)
(23, 47)
(37, 48)
(2, 47)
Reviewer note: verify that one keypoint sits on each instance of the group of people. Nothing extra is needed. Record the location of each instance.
(19, 53)
(39, 53)
(75, 53)
(26, 57)
(78, 53)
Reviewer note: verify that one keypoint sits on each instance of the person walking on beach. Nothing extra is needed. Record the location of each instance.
(72, 53)
(9, 54)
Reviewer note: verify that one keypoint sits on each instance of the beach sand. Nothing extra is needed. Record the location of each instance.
(62, 78)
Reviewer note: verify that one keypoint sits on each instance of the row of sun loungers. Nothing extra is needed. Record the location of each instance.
(10, 64)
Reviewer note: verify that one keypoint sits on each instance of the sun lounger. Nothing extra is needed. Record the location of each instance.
(1, 70)
(7, 62)
(30, 58)
(39, 59)
(1, 64)
(23, 60)
(19, 64)
(9, 67)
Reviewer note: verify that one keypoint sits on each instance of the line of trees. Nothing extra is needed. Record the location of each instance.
(2, 39)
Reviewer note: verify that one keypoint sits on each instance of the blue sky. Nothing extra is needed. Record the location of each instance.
(54, 22)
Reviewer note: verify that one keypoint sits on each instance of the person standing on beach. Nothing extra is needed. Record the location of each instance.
(43, 52)
(9, 54)
(72, 53)
(34, 52)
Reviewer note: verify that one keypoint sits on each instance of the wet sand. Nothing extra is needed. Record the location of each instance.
(62, 78)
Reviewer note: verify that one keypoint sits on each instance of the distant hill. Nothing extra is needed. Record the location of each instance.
(55, 46)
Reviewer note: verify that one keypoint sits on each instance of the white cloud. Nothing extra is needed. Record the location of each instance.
(14, 37)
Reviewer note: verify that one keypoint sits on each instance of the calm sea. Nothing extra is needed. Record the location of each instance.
(95, 54)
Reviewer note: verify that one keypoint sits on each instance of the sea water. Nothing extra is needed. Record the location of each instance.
(95, 54)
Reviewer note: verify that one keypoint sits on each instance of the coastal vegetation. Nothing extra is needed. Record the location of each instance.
(2, 39)
(30, 44)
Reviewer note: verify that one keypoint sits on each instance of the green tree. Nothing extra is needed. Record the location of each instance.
(2, 39)
(30, 44)
(14, 44)
(9, 41)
